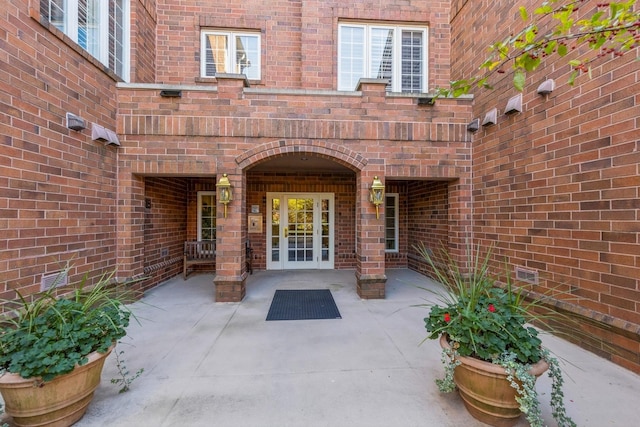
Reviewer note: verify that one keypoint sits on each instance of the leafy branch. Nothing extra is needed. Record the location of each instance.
(613, 29)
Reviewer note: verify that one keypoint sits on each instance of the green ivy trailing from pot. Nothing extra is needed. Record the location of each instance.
(2, 412)
(522, 381)
(449, 361)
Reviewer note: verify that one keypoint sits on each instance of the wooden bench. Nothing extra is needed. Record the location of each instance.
(198, 253)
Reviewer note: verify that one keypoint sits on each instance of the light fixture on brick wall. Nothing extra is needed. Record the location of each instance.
(473, 125)
(224, 192)
(376, 194)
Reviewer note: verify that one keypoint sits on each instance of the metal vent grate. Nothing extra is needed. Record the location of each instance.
(54, 280)
(529, 276)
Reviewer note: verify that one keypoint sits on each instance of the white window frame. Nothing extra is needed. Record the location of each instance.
(396, 227)
(69, 26)
(200, 194)
(396, 84)
(230, 57)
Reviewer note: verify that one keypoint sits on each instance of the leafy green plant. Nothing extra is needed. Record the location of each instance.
(488, 321)
(126, 378)
(48, 336)
(483, 320)
(612, 29)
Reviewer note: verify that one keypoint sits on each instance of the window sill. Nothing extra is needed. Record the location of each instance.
(214, 80)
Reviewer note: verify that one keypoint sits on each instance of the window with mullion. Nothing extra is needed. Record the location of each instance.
(117, 36)
(89, 14)
(391, 222)
(412, 61)
(228, 52)
(206, 215)
(101, 27)
(54, 12)
(395, 53)
(352, 49)
(381, 57)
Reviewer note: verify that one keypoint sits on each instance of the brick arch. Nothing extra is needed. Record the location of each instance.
(335, 152)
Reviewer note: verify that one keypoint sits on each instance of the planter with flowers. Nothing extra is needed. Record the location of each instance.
(53, 348)
(490, 354)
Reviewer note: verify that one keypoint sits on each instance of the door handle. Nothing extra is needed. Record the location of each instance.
(286, 232)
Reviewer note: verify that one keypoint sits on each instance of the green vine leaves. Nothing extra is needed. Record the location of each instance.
(611, 29)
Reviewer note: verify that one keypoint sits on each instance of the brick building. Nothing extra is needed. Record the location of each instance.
(121, 118)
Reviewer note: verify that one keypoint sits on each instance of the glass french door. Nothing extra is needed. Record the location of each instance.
(300, 233)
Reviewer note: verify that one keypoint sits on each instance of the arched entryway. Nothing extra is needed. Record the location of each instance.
(306, 207)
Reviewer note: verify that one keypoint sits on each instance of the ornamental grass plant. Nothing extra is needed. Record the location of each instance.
(49, 335)
(489, 320)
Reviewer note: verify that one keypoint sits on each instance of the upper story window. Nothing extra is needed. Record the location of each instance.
(377, 51)
(230, 52)
(101, 27)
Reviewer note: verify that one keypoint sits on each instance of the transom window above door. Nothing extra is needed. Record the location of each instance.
(230, 52)
(381, 51)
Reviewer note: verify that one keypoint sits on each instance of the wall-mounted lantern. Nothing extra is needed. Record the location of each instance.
(376, 194)
(224, 192)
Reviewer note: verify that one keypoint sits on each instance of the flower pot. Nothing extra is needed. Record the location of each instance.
(485, 390)
(57, 403)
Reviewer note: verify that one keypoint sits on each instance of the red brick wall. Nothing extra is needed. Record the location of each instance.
(143, 41)
(556, 187)
(165, 226)
(428, 217)
(301, 34)
(58, 188)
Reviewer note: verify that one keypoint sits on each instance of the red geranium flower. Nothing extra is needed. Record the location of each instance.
(447, 317)
(492, 308)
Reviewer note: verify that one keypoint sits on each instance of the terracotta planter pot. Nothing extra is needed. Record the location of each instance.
(57, 403)
(485, 391)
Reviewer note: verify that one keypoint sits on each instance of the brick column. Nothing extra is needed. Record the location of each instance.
(230, 243)
(370, 270)
(460, 219)
(130, 230)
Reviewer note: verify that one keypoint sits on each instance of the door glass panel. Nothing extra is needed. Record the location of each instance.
(207, 217)
(300, 229)
(275, 230)
(326, 229)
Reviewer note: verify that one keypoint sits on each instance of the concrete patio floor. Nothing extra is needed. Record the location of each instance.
(222, 364)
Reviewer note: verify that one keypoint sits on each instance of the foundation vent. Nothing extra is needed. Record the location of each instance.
(529, 276)
(54, 280)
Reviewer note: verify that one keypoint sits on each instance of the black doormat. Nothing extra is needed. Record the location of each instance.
(303, 304)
